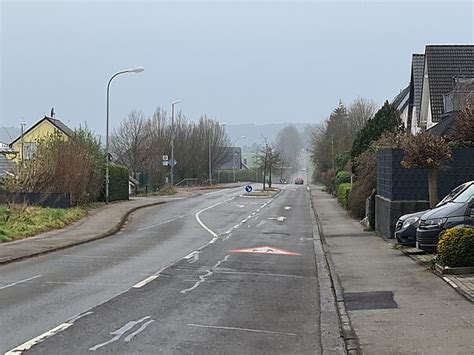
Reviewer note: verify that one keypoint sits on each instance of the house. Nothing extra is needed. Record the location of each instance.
(443, 65)
(401, 103)
(232, 159)
(6, 165)
(453, 103)
(416, 84)
(26, 144)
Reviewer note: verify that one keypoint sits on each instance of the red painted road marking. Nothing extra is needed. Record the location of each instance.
(265, 250)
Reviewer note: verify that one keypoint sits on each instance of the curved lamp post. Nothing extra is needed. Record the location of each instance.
(132, 70)
(172, 140)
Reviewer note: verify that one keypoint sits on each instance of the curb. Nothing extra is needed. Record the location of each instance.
(351, 341)
(110, 232)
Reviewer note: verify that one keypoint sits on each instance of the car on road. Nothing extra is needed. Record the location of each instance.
(405, 228)
(456, 210)
(299, 181)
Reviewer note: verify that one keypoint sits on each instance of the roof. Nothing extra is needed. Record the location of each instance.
(417, 68)
(444, 63)
(55, 122)
(401, 100)
(446, 125)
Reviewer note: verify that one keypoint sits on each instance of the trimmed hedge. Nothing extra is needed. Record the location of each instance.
(343, 177)
(118, 183)
(343, 191)
(456, 247)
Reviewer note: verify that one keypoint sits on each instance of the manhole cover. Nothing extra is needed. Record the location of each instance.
(369, 300)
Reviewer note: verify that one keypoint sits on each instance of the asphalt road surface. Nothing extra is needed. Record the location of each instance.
(214, 274)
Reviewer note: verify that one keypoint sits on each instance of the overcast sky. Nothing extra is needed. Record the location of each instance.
(238, 62)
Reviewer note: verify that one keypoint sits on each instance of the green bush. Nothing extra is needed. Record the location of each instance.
(118, 182)
(343, 177)
(456, 247)
(343, 191)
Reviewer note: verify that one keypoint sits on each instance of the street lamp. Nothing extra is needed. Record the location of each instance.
(210, 160)
(235, 153)
(133, 70)
(172, 140)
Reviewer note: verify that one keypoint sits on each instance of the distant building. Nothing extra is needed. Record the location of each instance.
(45, 127)
(232, 159)
(7, 166)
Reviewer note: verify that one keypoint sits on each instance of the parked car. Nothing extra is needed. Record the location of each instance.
(459, 209)
(405, 229)
(299, 181)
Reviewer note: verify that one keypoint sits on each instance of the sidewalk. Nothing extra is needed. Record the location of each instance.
(100, 223)
(395, 305)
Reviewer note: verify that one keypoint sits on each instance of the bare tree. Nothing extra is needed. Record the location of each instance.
(427, 151)
(131, 142)
(359, 111)
(289, 144)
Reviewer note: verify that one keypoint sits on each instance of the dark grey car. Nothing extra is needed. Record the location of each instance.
(457, 210)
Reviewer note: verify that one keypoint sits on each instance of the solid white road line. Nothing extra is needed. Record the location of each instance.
(19, 282)
(241, 329)
(144, 282)
(27, 345)
(452, 284)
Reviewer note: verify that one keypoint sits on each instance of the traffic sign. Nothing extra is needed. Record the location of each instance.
(172, 162)
(248, 188)
(265, 250)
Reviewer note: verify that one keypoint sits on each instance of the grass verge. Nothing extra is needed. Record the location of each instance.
(20, 221)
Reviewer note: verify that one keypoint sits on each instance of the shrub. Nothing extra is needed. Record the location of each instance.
(118, 182)
(456, 247)
(343, 177)
(343, 191)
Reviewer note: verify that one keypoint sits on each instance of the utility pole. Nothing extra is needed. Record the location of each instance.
(22, 124)
(172, 140)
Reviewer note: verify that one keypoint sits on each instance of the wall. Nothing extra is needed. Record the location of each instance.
(401, 191)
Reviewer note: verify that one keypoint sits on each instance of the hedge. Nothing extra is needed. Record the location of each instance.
(456, 247)
(343, 177)
(118, 183)
(343, 191)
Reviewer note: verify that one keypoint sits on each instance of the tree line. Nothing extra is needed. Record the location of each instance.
(140, 142)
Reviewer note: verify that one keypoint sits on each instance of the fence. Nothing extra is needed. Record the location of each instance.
(52, 200)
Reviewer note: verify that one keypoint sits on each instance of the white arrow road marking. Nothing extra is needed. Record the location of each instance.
(121, 331)
(240, 206)
(287, 208)
(138, 331)
(19, 282)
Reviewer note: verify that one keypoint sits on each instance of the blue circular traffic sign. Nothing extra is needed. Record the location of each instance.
(248, 188)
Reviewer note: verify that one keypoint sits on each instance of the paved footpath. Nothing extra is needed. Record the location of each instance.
(395, 305)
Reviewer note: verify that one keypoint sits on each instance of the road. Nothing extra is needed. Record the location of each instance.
(218, 273)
